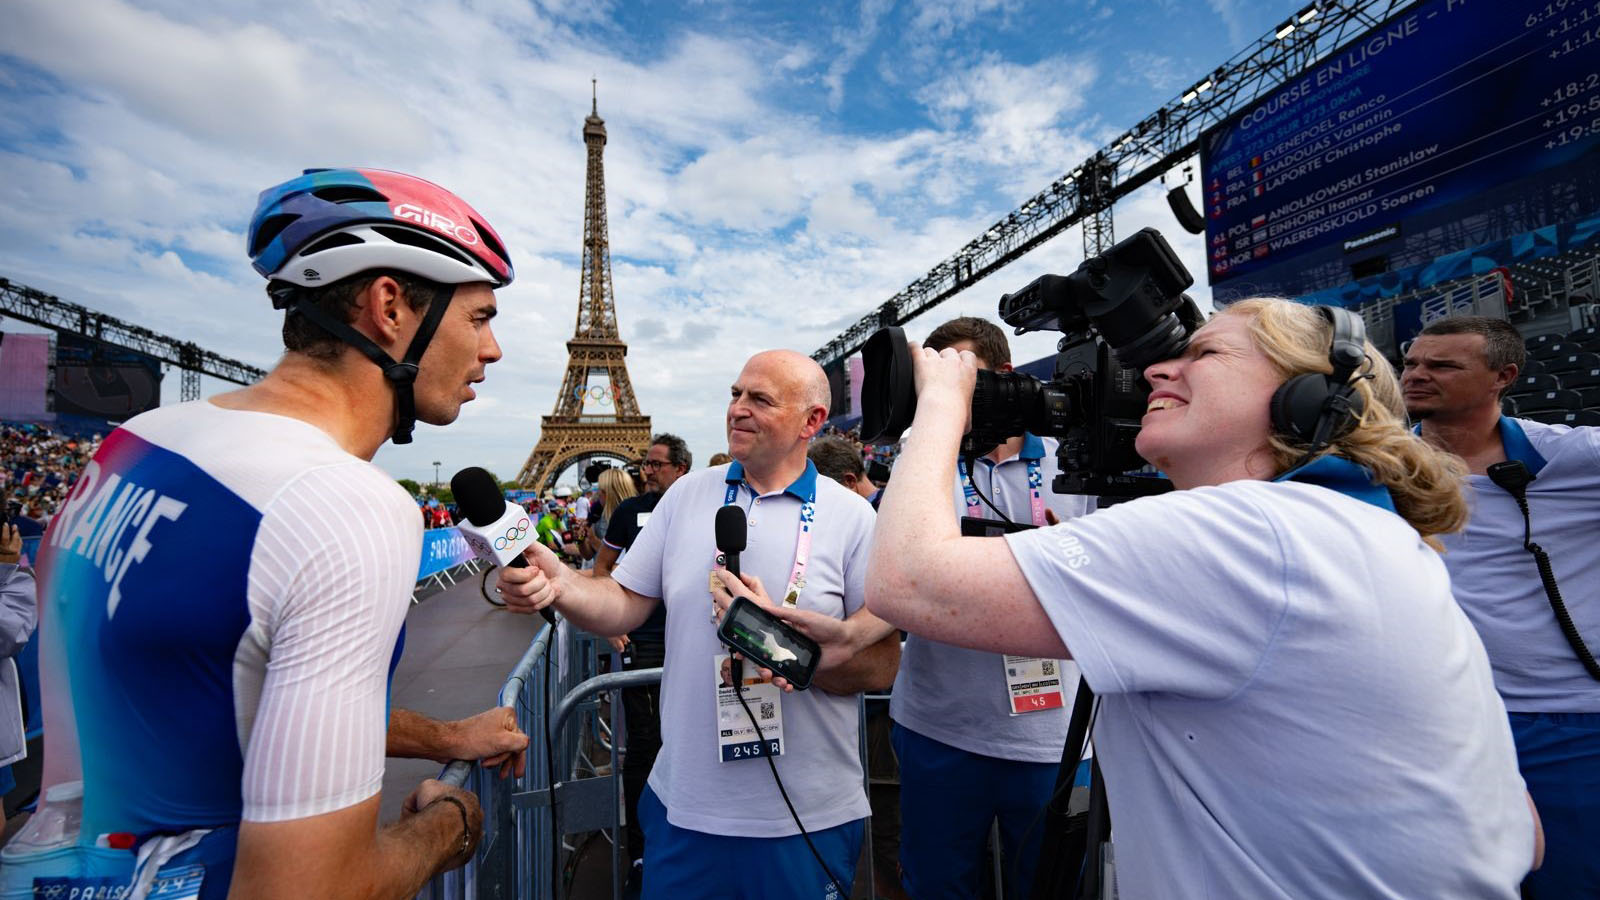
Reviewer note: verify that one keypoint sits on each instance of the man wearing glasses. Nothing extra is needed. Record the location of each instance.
(644, 647)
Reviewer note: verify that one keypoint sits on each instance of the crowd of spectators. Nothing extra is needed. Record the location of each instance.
(38, 466)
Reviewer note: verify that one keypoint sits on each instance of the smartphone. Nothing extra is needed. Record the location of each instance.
(769, 642)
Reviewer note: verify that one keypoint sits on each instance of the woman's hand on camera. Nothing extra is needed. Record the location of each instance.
(943, 374)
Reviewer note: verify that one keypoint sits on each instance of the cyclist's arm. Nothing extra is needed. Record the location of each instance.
(345, 854)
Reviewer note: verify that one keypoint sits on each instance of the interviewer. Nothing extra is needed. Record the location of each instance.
(1293, 704)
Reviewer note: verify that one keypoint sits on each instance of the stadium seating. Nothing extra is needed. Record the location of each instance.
(1581, 378)
(1572, 362)
(1568, 417)
(1555, 349)
(1508, 405)
(1590, 397)
(1536, 384)
(1536, 344)
(1533, 367)
(1548, 400)
(1586, 337)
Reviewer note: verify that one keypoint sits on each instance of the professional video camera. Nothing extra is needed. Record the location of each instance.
(1118, 313)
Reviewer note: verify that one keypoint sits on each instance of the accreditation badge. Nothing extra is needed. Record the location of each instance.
(1033, 684)
(736, 737)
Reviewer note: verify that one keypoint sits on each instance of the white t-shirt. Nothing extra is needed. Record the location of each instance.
(1497, 582)
(672, 559)
(1293, 704)
(958, 696)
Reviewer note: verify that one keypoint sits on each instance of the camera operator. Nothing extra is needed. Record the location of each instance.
(968, 756)
(1292, 704)
(1455, 373)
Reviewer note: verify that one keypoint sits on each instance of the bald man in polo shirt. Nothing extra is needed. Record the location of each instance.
(713, 817)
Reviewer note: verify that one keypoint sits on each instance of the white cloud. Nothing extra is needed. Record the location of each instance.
(737, 223)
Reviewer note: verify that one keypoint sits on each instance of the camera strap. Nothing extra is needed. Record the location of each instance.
(802, 541)
(1035, 490)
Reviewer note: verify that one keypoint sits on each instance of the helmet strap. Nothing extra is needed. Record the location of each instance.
(401, 375)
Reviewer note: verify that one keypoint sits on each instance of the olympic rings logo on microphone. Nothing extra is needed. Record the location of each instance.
(513, 534)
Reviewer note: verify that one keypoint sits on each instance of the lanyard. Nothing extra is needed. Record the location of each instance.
(802, 544)
(1035, 497)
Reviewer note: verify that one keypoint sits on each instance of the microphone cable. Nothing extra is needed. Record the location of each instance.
(736, 669)
(972, 480)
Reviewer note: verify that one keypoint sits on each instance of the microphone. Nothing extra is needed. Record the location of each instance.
(730, 536)
(496, 529)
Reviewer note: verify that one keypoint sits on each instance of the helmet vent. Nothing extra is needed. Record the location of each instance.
(487, 236)
(418, 239)
(337, 239)
(271, 227)
(348, 193)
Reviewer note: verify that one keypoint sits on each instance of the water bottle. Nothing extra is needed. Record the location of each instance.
(54, 824)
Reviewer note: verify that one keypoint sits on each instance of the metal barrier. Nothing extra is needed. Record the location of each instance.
(444, 579)
(519, 857)
(520, 854)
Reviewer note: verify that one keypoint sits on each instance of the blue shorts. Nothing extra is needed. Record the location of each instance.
(680, 864)
(949, 799)
(1559, 754)
(8, 782)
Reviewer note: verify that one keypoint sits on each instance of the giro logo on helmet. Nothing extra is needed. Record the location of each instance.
(312, 275)
(428, 217)
(513, 534)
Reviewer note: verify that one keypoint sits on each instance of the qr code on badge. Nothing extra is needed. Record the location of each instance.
(1049, 666)
(767, 710)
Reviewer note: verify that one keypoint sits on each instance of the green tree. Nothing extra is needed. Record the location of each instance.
(411, 487)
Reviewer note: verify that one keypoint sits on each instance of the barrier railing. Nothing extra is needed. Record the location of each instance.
(520, 852)
(520, 855)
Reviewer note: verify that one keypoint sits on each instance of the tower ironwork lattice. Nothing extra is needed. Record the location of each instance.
(596, 412)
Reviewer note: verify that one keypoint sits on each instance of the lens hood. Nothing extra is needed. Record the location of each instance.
(888, 388)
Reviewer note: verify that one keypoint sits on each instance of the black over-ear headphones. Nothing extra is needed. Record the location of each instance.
(1317, 409)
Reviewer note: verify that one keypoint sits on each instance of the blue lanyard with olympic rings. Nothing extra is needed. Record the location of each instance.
(1035, 490)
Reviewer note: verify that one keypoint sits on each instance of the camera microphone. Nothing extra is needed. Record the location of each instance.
(496, 529)
(730, 536)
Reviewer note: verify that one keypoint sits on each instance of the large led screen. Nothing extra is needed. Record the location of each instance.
(1452, 109)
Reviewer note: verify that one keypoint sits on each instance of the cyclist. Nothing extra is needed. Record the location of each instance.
(242, 571)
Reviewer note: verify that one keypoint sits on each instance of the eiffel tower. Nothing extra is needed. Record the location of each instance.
(596, 413)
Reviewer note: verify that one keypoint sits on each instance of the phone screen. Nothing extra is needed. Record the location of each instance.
(767, 640)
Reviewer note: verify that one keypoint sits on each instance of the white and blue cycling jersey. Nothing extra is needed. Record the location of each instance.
(223, 597)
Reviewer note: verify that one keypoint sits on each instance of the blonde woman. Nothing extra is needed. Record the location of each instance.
(1292, 703)
(615, 487)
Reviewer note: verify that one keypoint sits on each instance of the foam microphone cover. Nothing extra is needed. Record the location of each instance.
(731, 536)
(478, 497)
(730, 529)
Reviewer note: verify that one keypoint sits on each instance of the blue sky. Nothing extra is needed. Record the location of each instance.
(774, 171)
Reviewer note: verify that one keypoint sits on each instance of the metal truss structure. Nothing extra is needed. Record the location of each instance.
(35, 306)
(1158, 143)
(569, 436)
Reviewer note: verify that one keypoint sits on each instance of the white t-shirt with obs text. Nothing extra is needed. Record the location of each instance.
(1293, 704)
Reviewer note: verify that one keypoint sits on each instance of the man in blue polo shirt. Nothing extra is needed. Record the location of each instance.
(1455, 373)
(714, 818)
(979, 735)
